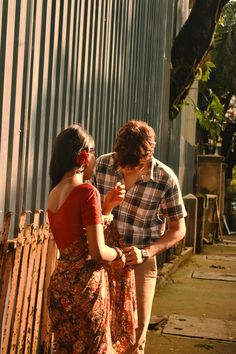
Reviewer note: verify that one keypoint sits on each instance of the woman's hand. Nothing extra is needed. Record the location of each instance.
(118, 263)
(114, 197)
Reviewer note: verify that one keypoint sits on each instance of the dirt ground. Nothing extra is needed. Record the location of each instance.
(187, 296)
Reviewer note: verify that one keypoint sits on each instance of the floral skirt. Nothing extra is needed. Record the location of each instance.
(123, 305)
(91, 306)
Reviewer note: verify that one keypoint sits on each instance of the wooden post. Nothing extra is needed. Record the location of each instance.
(33, 295)
(21, 290)
(3, 244)
(4, 275)
(46, 334)
(44, 239)
(24, 316)
(14, 282)
(27, 326)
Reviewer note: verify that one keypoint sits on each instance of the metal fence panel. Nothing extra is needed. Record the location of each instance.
(96, 62)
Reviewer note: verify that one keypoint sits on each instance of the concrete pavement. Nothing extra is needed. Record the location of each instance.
(197, 315)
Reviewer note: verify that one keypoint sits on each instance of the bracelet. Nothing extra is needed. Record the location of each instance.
(119, 253)
(107, 219)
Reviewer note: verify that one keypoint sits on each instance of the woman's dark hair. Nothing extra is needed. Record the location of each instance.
(68, 144)
(135, 140)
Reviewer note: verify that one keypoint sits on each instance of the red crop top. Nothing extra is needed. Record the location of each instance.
(81, 208)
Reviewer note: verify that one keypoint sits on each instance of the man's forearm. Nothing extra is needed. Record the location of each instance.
(169, 239)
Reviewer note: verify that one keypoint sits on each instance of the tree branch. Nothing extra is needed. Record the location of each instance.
(192, 45)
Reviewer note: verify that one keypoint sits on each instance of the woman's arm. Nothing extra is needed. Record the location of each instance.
(97, 247)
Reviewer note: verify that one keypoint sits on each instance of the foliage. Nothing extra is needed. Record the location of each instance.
(217, 71)
(190, 48)
(217, 78)
(212, 118)
(176, 108)
(220, 85)
(204, 75)
(223, 79)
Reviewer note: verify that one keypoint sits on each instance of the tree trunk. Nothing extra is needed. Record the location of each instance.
(191, 46)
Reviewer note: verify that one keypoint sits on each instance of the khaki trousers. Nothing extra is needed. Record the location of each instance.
(145, 277)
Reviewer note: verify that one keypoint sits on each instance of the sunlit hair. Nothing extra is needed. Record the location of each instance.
(135, 140)
(68, 144)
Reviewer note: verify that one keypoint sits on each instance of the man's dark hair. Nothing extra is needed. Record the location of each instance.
(135, 140)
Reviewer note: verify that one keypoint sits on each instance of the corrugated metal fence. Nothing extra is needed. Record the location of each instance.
(97, 62)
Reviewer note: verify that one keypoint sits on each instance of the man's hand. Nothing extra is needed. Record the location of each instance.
(114, 197)
(133, 255)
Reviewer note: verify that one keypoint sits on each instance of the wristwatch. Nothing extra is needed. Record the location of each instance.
(145, 254)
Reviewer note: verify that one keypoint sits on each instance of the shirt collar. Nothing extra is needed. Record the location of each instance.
(147, 176)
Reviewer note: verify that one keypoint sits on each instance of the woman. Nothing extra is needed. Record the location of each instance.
(78, 294)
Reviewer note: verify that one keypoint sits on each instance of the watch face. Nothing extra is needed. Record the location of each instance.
(145, 253)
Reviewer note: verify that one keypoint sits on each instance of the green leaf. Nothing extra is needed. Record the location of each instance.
(203, 72)
(209, 65)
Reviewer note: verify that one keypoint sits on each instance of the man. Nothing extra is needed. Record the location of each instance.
(150, 219)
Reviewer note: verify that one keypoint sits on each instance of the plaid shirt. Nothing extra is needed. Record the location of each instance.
(147, 204)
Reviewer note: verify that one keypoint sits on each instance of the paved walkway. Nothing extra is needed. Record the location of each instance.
(195, 309)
